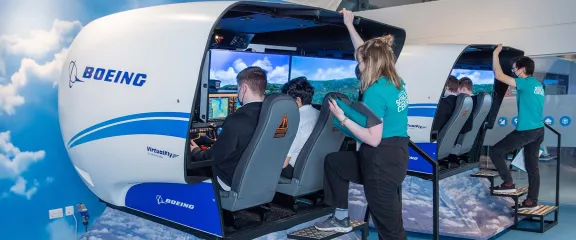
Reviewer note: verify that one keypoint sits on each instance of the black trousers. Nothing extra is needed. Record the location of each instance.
(531, 141)
(381, 170)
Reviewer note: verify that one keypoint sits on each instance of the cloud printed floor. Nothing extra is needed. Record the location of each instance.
(467, 210)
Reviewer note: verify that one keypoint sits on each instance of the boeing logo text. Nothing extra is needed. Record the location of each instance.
(161, 201)
(114, 76)
(160, 153)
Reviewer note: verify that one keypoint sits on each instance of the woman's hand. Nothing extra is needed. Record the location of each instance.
(336, 110)
(348, 17)
(498, 49)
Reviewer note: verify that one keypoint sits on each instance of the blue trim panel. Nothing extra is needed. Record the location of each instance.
(130, 117)
(191, 205)
(165, 127)
(417, 163)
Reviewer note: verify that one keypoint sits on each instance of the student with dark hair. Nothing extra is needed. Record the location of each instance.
(302, 91)
(465, 86)
(529, 132)
(237, 129)
(447, 104)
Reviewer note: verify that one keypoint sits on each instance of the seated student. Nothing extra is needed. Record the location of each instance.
(302, 91)
(237, 129)
(446, 105)
(465, 86)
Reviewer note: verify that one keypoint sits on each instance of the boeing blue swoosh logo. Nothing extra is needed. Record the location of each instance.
(422, 110)
(144, 123)
(141, 123)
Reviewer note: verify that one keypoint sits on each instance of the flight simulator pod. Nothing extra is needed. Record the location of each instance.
(135, 83)
(425, 69)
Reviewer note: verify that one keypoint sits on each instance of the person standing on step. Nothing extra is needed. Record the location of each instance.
(382, 160)
(529, 132)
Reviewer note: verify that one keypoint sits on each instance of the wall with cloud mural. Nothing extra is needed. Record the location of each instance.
(35, 172)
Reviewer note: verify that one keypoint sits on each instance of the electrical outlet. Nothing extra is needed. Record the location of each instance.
(69, 210)
(55, 213)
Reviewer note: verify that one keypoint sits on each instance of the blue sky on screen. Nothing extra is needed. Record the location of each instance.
(322, 68)
(477, 76)
(225, 65)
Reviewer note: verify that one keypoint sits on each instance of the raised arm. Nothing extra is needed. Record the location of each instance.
(349, 22)
(497, 68)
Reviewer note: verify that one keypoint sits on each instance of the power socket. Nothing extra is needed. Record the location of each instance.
(69, 210)
(55, 213)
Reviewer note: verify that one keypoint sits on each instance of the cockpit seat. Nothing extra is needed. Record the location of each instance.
(256, 177)
(449, 133)
(465, 141)
(309, 168)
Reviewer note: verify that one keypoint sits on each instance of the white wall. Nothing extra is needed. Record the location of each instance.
(536, 26)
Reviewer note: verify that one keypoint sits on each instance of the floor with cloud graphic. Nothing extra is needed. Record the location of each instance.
(467, 210)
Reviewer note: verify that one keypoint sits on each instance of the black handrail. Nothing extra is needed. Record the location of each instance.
(559, 153)
(435, 190)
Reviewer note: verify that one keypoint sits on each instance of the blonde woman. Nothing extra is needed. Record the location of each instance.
(382, 160)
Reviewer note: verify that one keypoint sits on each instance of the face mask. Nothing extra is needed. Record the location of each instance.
(358, 72)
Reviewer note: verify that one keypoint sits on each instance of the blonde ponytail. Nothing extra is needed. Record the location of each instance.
(378, 57)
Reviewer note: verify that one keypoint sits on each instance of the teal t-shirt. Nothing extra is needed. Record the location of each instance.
(391, 104)
(530, 102)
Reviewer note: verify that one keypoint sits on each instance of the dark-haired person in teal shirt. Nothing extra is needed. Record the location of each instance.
(382, 158)
(529, 131)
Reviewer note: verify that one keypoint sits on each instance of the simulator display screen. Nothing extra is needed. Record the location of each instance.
(225, 65)
(217, 108)
(483, 79)
(327, 75)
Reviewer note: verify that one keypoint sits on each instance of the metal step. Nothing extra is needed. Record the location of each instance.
(540, 211)
(485, 174)
(312, 233)
(520, 191)
(537, 216)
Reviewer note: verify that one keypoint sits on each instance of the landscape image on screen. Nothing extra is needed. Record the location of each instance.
(218, 108)
(483, 79)
(327, 75)
(225, 65)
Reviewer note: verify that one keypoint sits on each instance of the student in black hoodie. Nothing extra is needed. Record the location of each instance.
(447, 104)
(237, 129)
